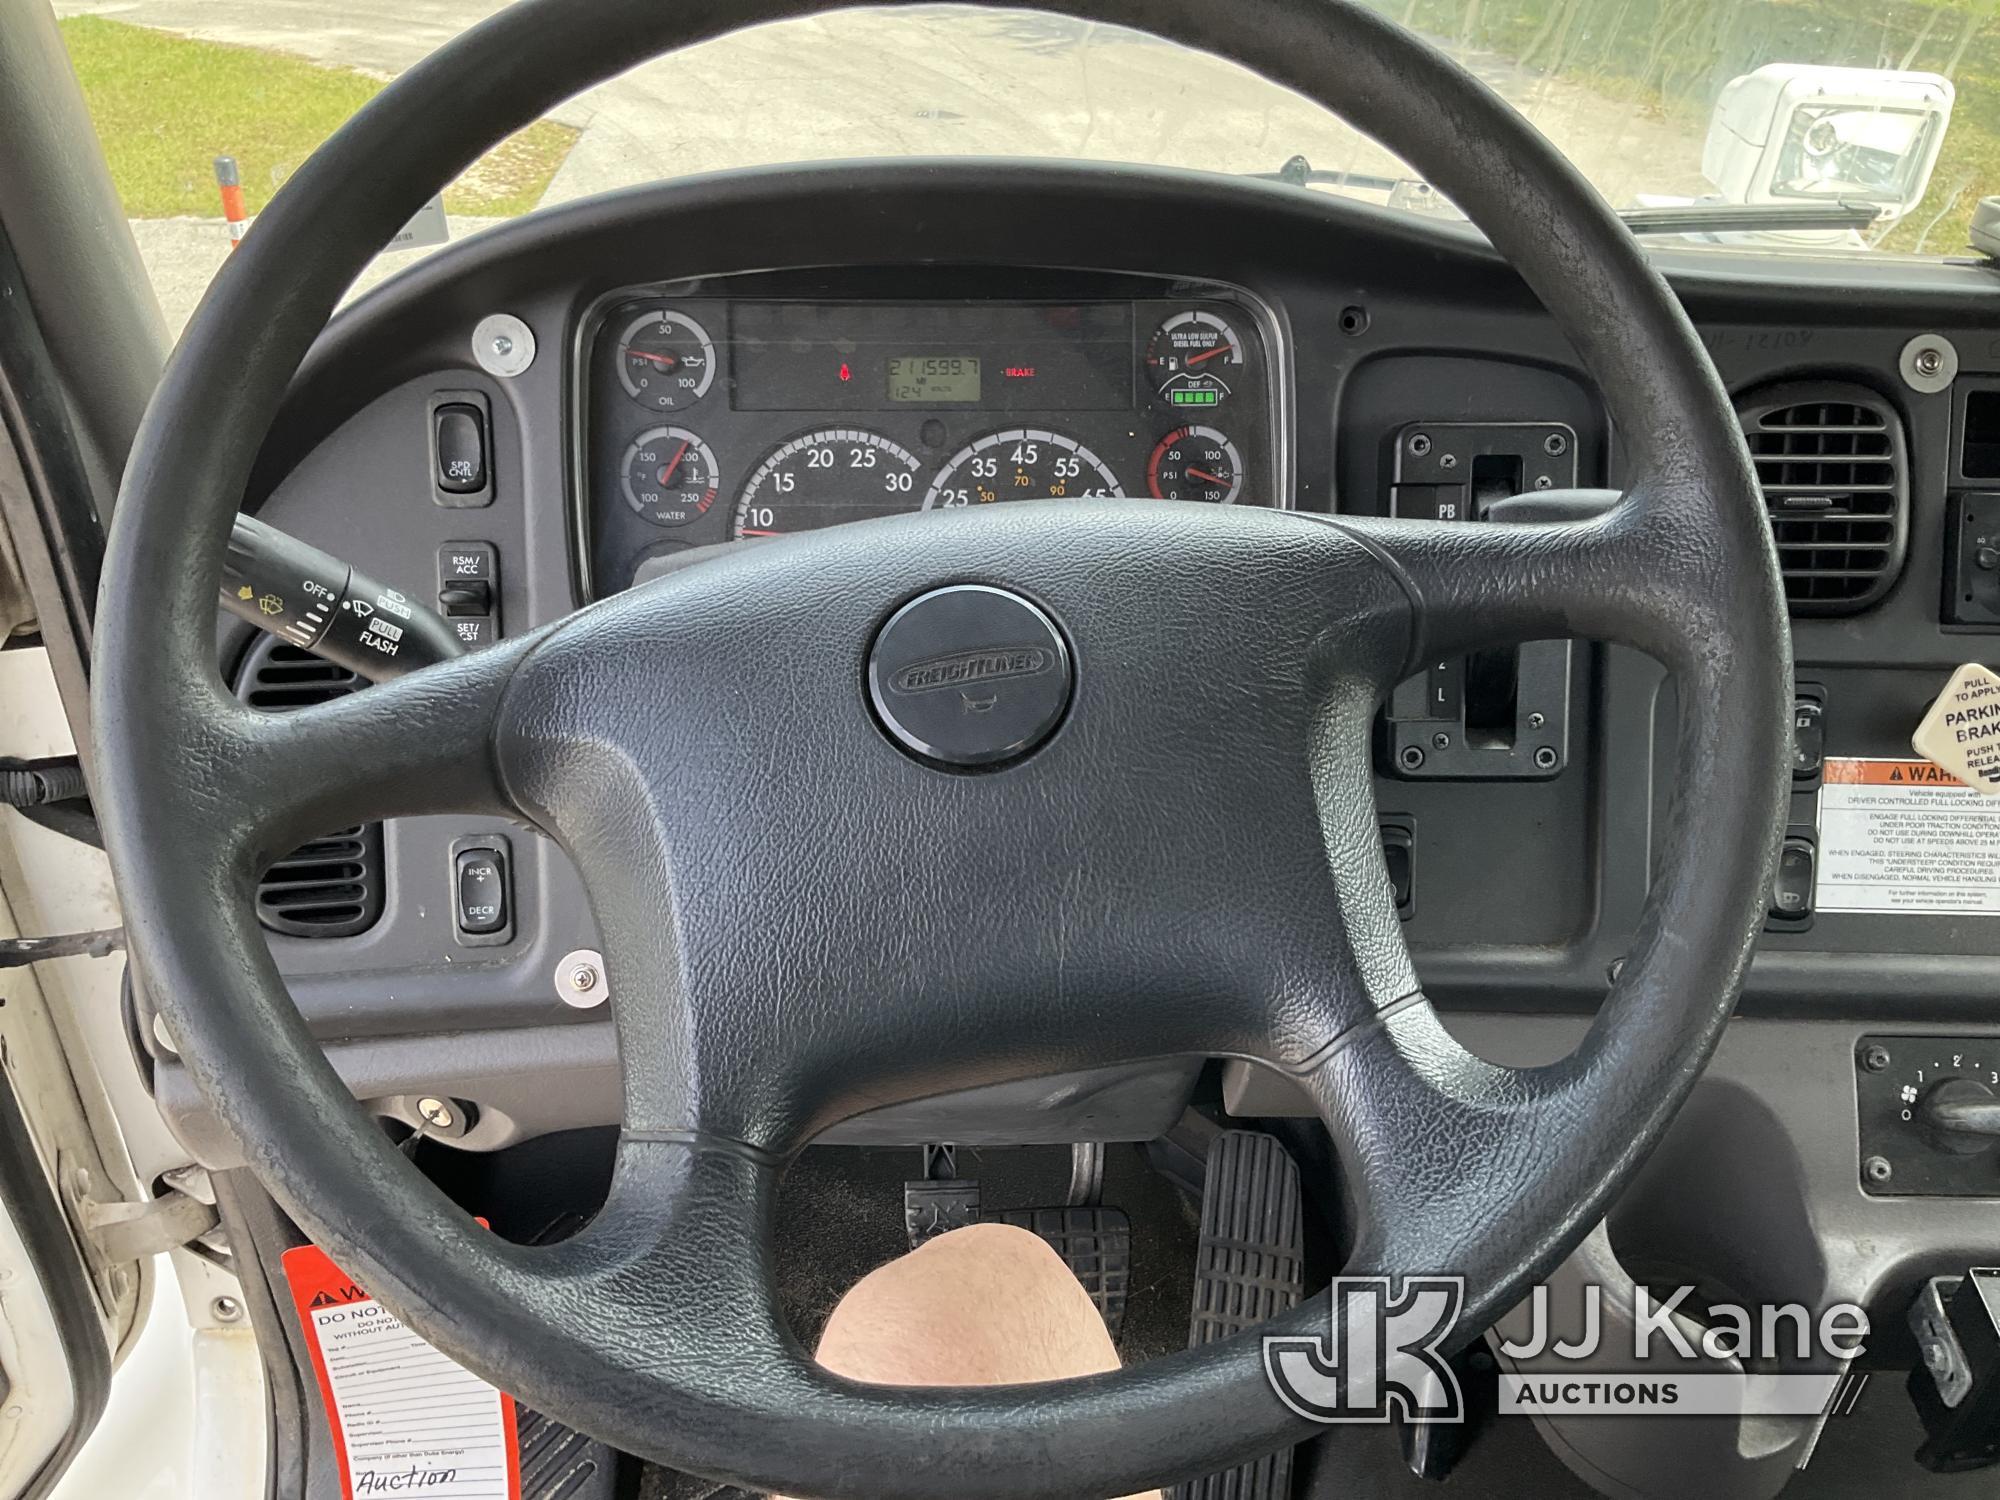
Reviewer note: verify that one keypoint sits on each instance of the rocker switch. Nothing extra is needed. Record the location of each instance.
(469, 591)
(479, 892)
(461, 449)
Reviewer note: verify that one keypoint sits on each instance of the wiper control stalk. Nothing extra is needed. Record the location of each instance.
(320, 604)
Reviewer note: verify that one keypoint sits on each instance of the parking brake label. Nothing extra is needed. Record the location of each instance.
(1905, 836)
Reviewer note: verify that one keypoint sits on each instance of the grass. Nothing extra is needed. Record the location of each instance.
(165, 106)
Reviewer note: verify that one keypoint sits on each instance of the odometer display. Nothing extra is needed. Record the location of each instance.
(1022, 463)
(824, 478)
(933, 379)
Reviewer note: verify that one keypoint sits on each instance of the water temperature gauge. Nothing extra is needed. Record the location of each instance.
(669, 476)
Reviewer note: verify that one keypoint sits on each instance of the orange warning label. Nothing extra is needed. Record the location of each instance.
(1844, 772)
(404, 1418)
(1907, 837)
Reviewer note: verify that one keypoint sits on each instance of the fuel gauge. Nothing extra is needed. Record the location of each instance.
(1190, 358)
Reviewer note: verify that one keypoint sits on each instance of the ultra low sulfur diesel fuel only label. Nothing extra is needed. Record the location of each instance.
(1905, 836)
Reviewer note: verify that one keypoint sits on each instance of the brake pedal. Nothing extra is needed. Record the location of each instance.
(1095, 1243)
(1249, 1267)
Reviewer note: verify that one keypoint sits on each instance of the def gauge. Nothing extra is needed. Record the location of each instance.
(1191, 359)
(1195, 463)
(666, 360)
(669, 476)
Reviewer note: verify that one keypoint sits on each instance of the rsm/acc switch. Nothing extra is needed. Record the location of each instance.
(482, 891)
(469, 591)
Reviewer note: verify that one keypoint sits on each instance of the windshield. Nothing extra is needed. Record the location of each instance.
(1888, 112)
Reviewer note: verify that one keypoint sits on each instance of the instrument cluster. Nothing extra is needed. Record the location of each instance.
(713, 419)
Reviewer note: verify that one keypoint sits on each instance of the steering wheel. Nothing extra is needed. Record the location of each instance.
(1178, 856)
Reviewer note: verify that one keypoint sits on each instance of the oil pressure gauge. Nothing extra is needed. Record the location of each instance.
(666, 360)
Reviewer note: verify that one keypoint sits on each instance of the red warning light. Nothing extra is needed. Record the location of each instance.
(1020, 372)
(846, 373)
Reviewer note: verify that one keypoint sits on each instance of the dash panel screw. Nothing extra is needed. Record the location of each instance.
(1877, 1169)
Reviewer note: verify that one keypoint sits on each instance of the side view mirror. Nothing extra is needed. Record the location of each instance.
(1791, 132)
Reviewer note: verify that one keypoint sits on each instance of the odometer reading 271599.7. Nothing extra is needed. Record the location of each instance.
(1023, 463)
(826, 477)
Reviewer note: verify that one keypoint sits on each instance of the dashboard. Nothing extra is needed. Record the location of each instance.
(713, 362)
(742, 418)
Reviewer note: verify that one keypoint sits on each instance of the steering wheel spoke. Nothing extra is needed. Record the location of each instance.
(417, 744)
(1627, 570)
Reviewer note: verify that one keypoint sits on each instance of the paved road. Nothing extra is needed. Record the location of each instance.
(925, 81)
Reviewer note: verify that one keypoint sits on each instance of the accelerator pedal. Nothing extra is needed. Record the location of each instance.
(1249, 1267)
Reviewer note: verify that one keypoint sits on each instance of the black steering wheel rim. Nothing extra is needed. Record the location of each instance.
(1514, 1166)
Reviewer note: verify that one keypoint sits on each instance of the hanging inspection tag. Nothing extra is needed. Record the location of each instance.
(1962, 730)
(405, 1420)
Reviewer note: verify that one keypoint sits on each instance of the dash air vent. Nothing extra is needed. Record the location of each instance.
(331, 887)
(1835, 472)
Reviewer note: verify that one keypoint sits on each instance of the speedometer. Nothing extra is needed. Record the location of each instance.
(1023, 463)
(826, 477)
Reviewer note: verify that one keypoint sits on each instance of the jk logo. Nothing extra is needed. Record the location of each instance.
(1379, 1356)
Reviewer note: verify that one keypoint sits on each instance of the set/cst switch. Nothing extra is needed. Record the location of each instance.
(469, 591)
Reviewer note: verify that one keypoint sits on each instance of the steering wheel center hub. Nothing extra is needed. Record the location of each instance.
(969, 675)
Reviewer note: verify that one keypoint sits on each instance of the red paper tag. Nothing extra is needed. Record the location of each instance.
(405, 1420)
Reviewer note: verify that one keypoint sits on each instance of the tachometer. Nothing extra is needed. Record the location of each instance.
(826, 477)
(666, 360)
(669, 476)
(1189, 357)
(1195, 463)
(1023, 463)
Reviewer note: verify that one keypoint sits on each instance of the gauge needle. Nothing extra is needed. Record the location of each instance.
(667, 474)
(1205, 477)
(1196, 359)
(664, 361)
(748, 532)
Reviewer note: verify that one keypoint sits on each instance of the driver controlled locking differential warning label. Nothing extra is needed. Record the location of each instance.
(1905, 836)
(406, 1421)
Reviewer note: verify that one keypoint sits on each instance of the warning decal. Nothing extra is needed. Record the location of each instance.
(1905, 836)
(406, 1420)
